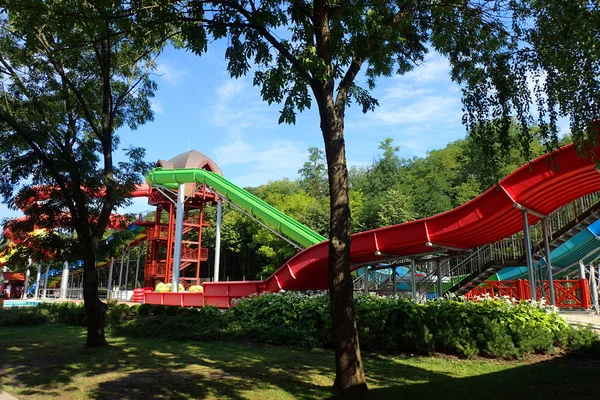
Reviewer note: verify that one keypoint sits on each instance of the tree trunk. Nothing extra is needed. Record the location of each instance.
(95, 310)
(350, 378)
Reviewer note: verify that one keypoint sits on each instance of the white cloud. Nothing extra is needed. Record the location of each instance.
(267, 160)
(157, 106)
(239, 108)
(433, 68)
(423, 109)
(170, 74)
(420, 110)
(240, 113)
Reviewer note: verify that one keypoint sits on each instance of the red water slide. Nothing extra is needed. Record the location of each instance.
(41, 193)
(547, 183)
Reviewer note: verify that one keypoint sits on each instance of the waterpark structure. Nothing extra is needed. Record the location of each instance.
(520, 221)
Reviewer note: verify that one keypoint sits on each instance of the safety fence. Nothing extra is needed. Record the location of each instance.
(568, 293)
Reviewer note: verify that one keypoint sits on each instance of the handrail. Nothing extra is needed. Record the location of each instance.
(512, 248)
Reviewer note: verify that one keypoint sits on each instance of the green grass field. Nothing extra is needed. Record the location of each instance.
(50, 362)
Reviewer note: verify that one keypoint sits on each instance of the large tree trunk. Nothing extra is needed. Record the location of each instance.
(95, 310)
(350, 378)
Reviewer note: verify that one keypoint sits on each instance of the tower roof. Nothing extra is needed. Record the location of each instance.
(191, 159)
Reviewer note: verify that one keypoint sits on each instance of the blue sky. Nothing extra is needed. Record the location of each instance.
(198, 106)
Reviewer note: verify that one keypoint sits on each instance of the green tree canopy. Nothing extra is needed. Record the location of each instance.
(73, 73)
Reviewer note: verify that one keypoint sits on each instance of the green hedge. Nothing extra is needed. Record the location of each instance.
(491, 328)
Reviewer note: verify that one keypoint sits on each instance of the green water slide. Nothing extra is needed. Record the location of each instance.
(270, 216)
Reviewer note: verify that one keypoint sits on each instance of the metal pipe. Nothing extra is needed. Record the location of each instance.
(127, 269)
(218, 238)
(27, 276)
(109, 284)
(137, 265)
(594, 287)
(121, 274)
(37, 282)
(581, 270)
(178, 237)
(413, 280)
(46, 281)
(64, 282)
(548, 262)
(439, 278)
(531, 275)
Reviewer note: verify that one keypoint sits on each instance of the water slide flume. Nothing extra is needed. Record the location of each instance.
(42, 193)
(273, 218)
(547, 183)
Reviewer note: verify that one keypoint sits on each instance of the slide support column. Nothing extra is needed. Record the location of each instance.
(137, 264)
(531, 275)
(548, 262)
(218, 239)
(593, 287)
(64, 282)
(581, 270)
(109, 283)
(413, 280)
(178, 237)
(127, 271)
(27, 276)
(45, 293)
(37, 282)
(439, 278)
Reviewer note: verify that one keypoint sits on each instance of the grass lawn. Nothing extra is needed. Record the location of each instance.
(49, 362)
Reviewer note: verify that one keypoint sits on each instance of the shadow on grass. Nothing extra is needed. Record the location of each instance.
(50, 362)
(56, 363)
(559, 378)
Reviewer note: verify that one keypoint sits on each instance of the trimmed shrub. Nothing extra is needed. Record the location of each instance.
(490, 328)
(21, 317)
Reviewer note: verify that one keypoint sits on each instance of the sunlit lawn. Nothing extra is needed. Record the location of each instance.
(50, 362)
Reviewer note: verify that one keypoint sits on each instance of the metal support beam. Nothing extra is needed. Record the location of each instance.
(137, 264)
(127, 271)
(178, 237)
(413, 280)
(366, 280)
(121, 274)
(109, 284)
(444, 247)
(581, 270)
(548, 262)
(438, 267)
(394, 280)
(218, 239)
(530, 272)
(27, 277)
(594, 288)
(46, 281)
(37, 282)
(64, 282)
(529, 210)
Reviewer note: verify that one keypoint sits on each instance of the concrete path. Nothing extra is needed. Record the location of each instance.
(583, 318)
(6, 396)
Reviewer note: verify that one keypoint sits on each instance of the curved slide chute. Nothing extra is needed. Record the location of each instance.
(275, 219)
(542, 186)
(41, 193)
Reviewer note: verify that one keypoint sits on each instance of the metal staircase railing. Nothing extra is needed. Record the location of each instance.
(485, 260)
(378, 281)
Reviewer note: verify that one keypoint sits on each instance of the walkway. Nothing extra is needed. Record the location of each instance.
(582, 318)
